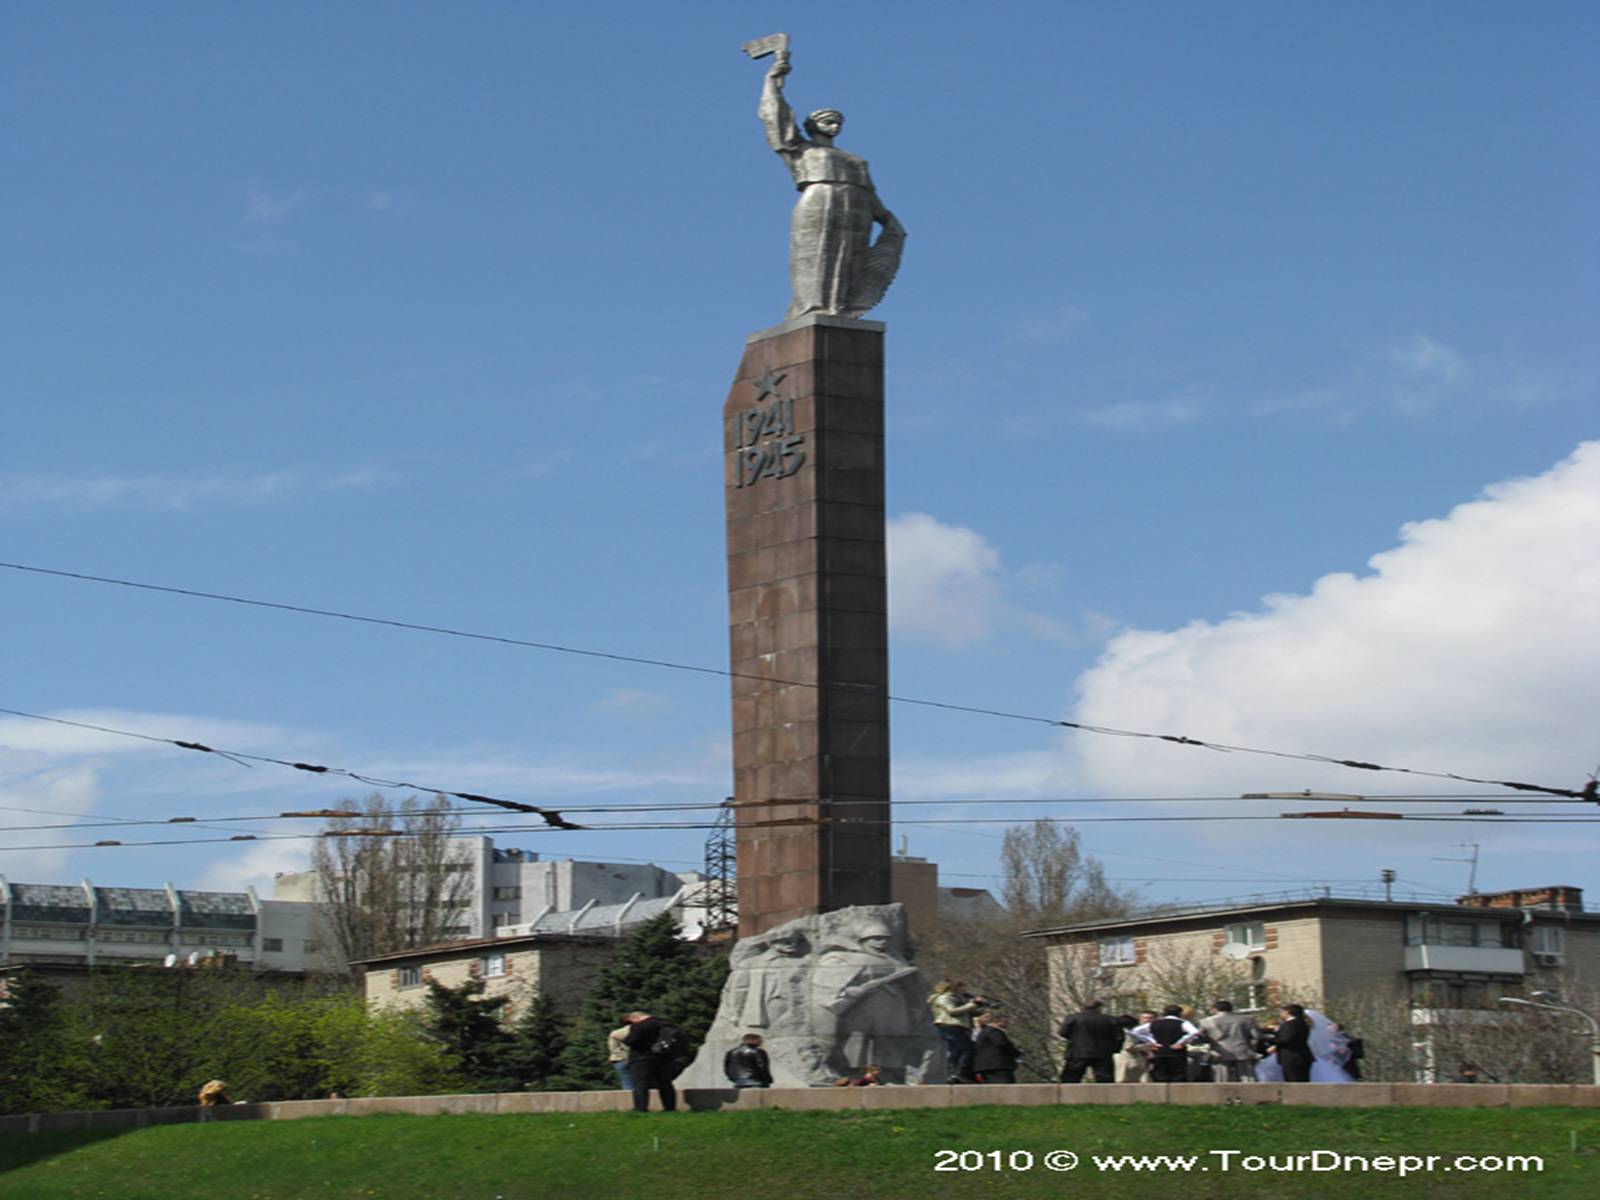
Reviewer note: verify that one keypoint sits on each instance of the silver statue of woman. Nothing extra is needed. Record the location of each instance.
(834, 265)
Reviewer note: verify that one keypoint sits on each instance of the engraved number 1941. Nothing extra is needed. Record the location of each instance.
(768, 447)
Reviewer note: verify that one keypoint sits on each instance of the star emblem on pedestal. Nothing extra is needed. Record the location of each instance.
(767, 385)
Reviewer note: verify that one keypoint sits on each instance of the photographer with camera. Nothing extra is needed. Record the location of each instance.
(953, 1011)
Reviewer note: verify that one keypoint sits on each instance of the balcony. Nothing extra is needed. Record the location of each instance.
(1478, 960)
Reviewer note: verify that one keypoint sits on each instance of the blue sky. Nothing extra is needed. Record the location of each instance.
(427, 311)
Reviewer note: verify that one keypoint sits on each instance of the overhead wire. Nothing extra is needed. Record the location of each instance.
(798, 822)
(1587, 792)
(552, 816)
(452, 810)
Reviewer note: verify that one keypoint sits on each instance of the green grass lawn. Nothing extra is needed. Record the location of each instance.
(798, 1156)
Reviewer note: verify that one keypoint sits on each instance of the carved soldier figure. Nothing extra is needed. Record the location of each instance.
(863, 984)
(834, 266)
(768, 984)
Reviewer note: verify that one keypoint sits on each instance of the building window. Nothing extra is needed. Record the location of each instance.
(272, 945)
(409, 977)
(494, 965)
(501, 920)
(313, 946)
(1432, 930)
(1550, 942)
(1117, 952)
(1252, 996)
(508, 893)
(147, 936)
(1252, 935)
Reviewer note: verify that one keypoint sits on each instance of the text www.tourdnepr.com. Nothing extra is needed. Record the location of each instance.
(1306, 1162)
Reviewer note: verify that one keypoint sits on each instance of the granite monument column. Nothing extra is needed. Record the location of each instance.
(804, 478)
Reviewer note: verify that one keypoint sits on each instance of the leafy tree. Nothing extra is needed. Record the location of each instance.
(36, 1053)
(538, 1038)
(469, 1028)
(386, 1053)
(653, 971)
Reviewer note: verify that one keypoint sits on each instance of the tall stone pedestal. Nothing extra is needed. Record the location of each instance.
(803, 443)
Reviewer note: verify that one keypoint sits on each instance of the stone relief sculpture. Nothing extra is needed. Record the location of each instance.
(834, 265)
(829, 994)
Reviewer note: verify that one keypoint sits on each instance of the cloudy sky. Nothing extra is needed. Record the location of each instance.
(1242, 385)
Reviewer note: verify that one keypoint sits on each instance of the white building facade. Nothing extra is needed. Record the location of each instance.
(515, 888)
(82, 924)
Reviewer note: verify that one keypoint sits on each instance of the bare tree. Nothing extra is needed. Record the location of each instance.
(1048, 880)
(1406, 1042)
(392, 877)
(1190, 976)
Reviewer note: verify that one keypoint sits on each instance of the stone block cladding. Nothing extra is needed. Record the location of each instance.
(808, 621)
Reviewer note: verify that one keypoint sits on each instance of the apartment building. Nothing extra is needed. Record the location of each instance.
(1335, 950)
(82, 924)
(510, 887)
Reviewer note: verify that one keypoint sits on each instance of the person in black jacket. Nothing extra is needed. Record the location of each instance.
(650, 1069)
(1093, 1039)
(746, 1065)
(994, 1055)
(1292, 1044)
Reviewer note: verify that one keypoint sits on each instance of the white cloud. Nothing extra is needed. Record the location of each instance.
(1143, 416)
(271, 208)
(1419, 376)
(174, 493)
(46, 738)
(49, 797)
(1472, 647)
(948, 584)
(379, 200)
(635, 701)
(944, 580)
(1015, 775)
(1421, 355)
(1056, 327)
(255, 868)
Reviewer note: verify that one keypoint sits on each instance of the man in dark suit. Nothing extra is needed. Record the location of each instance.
(1292, 1044)
(994, 1055)
(1093, 1039)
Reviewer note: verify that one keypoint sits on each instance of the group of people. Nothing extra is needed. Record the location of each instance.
(1172, 1046)
(1226, 1047)
(646, 1052)
(977, 1046)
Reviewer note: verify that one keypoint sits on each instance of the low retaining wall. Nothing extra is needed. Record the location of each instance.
(1320, 1095)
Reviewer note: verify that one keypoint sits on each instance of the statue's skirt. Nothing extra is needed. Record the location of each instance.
(829, 237)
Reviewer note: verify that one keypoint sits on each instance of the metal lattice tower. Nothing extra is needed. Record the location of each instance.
(721, 889)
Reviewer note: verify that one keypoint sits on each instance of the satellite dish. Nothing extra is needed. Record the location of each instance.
(1236, 951)
(170, 960)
